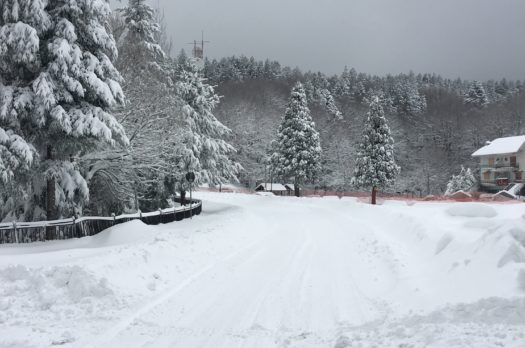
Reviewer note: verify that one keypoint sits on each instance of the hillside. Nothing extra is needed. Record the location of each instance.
(429, 147)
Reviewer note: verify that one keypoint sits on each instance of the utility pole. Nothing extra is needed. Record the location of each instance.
(198, 52)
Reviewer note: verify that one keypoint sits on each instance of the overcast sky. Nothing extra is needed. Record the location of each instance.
(473, 39)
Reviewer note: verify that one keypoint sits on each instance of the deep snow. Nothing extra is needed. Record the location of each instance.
(262, 271)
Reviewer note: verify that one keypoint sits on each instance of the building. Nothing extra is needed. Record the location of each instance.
(502, 162)
(276, 189)
(291, 188)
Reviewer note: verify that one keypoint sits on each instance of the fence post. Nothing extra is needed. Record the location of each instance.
(16, 234)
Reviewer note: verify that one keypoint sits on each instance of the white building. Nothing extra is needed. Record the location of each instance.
(502, 162)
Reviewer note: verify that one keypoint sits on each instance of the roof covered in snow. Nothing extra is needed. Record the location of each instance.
(501, 146)
(271, 187)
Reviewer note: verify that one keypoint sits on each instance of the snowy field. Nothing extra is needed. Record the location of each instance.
(259, 271)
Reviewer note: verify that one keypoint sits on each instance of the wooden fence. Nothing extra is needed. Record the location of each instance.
(27, 232)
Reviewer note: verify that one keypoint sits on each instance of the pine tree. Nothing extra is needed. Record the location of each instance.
(203, 149)
(57, 85)
(138, 46)
(298, 148)
(375, 166)
(476, 95)
(464, 181)
(406, 97)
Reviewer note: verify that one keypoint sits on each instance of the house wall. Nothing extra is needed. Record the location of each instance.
(504, 159)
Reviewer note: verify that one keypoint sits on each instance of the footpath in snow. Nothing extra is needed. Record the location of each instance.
(259, 271)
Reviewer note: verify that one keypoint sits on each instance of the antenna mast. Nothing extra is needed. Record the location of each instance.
(198, 52)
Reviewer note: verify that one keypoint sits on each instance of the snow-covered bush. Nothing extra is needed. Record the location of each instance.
(464, 181)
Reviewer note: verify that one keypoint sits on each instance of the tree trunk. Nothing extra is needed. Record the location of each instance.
(51, 212)
(183, 197)
(296, 188)
(374, 194)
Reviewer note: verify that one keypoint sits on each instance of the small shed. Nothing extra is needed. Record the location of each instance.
(275, 188)
(290, 187)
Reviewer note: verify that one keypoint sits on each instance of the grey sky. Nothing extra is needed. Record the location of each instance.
(474, 39)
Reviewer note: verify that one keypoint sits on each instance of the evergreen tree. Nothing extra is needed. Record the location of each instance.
(476, 95)
(406, 98)
(203, 149)
(464, 181)
(375, 166)
(57, 85)
(298, 148)
(138, 46)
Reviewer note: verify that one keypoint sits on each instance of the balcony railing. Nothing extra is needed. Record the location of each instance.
(501, 165)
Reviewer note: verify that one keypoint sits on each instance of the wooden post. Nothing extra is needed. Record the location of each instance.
(51, 213)
(183, 197)
(16, 234)
(374, 194)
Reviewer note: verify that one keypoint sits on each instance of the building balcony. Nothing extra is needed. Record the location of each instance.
(501, 166)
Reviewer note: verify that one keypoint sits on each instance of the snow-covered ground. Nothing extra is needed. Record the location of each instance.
(260, 271)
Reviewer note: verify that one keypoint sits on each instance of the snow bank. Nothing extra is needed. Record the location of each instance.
(492, 322)
(443, 242)
(265, 194)
(460, 196)
(521, 279)
(46, 288)
(472, 210)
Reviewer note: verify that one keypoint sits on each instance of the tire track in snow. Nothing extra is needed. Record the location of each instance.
(127, 321)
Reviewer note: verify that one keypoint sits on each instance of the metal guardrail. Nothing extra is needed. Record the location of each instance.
(27, 232)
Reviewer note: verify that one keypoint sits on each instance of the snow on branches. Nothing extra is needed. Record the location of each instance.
(464, 181)
(297, 147)
(375, 166)
(203, 149)
(57, 85)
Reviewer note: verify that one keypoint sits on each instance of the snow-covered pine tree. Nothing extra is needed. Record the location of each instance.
(406, 98)
(138, 46)
(317, 91)
(344, 84)
(202, 149)
(464, 181)
(298, 147)
(57, 84)
(476, 95)
(375, 166)
(327, 100)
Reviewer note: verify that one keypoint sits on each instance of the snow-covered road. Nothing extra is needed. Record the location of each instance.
(255, 271)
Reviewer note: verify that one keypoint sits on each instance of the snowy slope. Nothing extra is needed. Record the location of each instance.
(261, 271)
